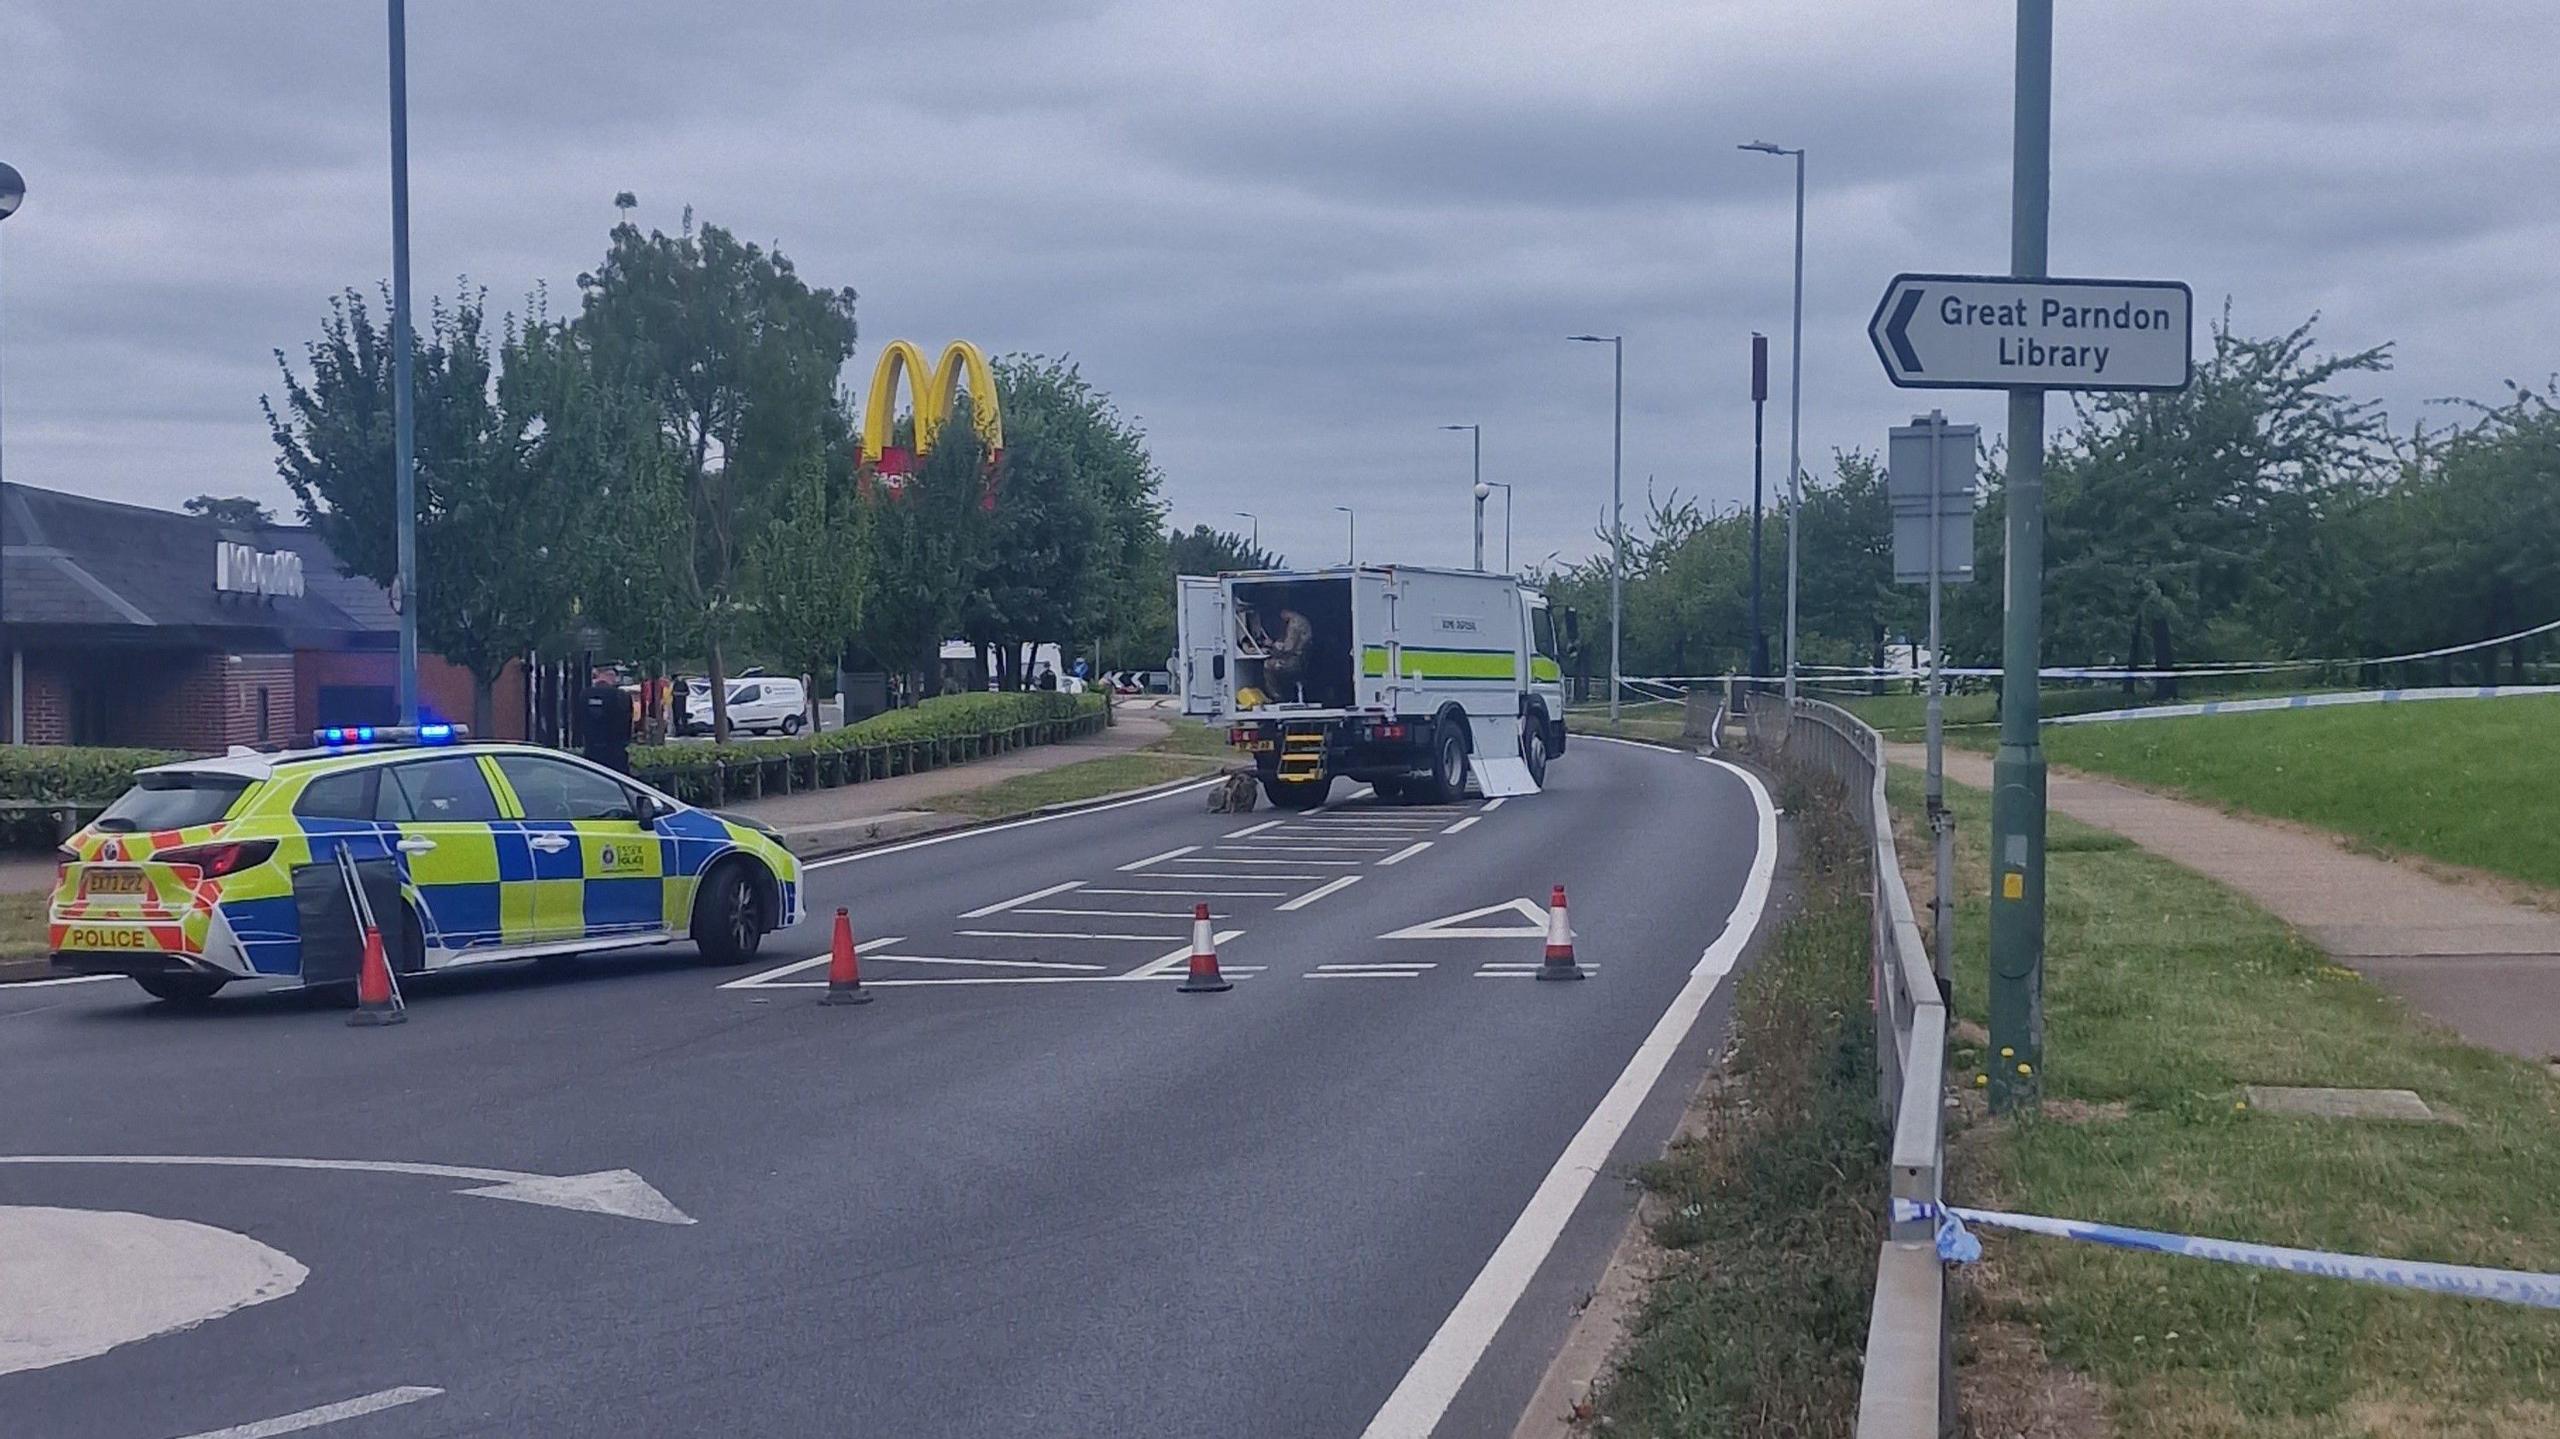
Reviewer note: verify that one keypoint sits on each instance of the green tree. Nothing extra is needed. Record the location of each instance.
(497, 483)
(739, 358)
(234, 511)
(1201, 550)
(808, 572)
(928, 536)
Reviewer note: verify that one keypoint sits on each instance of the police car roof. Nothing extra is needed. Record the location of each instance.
(256, 765)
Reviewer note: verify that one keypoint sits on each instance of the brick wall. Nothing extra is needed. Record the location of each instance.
(258, 701)
(48, 705)
(444, 688)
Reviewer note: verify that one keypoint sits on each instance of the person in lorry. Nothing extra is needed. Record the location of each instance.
(1284, 667)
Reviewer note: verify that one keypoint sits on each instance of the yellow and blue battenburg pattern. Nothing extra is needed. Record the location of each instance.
(223, 892)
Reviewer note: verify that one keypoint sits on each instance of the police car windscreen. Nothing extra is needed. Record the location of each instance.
(173, 801)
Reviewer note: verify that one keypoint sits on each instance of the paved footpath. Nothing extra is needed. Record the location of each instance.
(2485, 966)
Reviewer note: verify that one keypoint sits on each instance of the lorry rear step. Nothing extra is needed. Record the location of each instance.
(1302, 755)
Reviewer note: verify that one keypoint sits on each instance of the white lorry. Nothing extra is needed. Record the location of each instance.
(1408, 679)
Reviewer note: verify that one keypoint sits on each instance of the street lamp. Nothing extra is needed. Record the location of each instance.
(1257, 529)
(1617, 510)
(1795, 409)
(13, 192)
(1506, 523)
(404, 423)
(1477, 433)
(1355, 531)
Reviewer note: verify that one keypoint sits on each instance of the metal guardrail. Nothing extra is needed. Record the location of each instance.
(1909, 1389)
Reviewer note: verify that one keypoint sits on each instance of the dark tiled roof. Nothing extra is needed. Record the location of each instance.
(75, 562)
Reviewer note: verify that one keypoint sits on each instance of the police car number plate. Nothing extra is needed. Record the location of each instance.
(113, 881)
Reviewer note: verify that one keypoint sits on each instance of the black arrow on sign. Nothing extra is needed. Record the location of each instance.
(1897, 332)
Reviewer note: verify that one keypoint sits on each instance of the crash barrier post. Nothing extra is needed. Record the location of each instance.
(1908, 1391)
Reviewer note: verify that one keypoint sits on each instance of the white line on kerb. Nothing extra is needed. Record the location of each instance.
(1000, 906)
(1462, 824)
(1422, 1398)
(301, 1419)
(794, 967)
(1406, 853)
(1320, 891)
(1158, 858)
(61, 979)
(1254, 828)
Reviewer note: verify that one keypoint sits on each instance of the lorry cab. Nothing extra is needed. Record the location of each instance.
(1411, 679)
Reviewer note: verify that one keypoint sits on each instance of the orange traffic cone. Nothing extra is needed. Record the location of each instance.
(377, 996)
(844, 967)
(1560, 963)
(1204, 977)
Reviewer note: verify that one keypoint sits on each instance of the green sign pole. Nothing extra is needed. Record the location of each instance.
(2017, 774)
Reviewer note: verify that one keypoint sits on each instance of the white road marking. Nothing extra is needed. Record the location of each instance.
(1175, 957)
(1462, 824)
(1406, 853)
(1222, 859)
(75, 1283)
(1491, 972)
(1158, 858)
(1496, 803)
(765, 977)
(1307, 848)
(961, 834)
(1364, 974)
(1000, 906)
(996, 963)
(59, 979)
(1257, 875)
(1421, 1399)
(1320, 891)
(301, 1419)
(1417, 967)
(1455, 926)
(1254, 828)
(1208, 893)
(1051, 934)
(1118, 913)
(606, 1191)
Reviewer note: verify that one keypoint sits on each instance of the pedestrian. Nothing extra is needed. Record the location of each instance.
(1047, 679)
(681, 695)
(607, 711)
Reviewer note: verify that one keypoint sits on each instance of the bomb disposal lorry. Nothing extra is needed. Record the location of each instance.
(1411, 680)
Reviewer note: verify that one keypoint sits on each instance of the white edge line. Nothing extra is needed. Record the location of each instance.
(794, 967)
(1000, 906)
(889, 849)
(1253, 829)
(1406, 853)
(1319, 892)
(1158, 858)
(301, 1419)
(1422, 1398)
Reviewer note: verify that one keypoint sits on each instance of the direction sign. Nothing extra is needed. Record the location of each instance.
(1996, 332)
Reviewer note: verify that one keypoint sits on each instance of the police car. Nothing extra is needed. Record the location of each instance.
(203, 873)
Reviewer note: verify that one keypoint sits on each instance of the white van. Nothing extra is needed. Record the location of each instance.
(766, 704)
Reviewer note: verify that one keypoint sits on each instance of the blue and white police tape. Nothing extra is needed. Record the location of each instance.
(1957, 1245)
(2308, 702)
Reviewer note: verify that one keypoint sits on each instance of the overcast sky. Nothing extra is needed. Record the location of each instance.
(1290, 237)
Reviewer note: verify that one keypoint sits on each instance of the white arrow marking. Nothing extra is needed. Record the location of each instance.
(616, 1192)
(1455, 926)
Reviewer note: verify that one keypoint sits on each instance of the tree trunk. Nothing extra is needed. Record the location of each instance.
(809, 692)
(717, 672)
(2163, 657)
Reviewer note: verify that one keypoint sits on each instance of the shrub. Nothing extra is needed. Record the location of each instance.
(76, 774)
(687, 769)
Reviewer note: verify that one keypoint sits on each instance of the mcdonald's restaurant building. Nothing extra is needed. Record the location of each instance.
(125, 625)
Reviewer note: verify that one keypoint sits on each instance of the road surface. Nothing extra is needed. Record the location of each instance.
(1030, 1190)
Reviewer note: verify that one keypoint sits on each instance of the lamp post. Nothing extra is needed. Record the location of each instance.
(1506, 520)
(1795, 409)
(13, 192)
(1617, 510)
(1759, 407)
(1257, 529)
(1476, 433)
(404, 425)
(1355, 532)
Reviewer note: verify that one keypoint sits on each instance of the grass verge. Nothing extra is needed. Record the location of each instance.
(2464, 781)
(2165, 994)
(1771, 1212)
(1655, 721)
(1191, 750)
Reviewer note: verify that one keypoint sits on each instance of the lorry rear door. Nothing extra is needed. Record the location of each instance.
(1200, 657)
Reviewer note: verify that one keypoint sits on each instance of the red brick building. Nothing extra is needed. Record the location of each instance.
(134, 626)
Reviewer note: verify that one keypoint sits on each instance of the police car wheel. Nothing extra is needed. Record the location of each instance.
(179, 988)
(726, 924)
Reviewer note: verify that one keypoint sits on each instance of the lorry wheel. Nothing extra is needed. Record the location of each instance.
(1448, 779)
(1533, 746)
(1297, 794)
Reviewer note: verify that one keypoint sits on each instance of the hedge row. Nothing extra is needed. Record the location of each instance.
(74, 773)
(950, 730)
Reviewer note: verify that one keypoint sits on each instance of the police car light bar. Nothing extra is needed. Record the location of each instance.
(341, 736)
